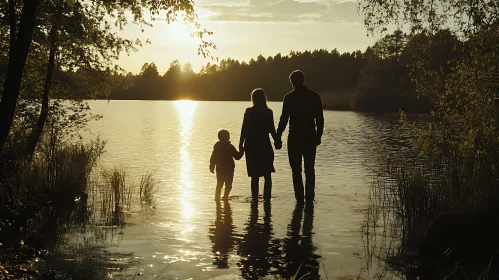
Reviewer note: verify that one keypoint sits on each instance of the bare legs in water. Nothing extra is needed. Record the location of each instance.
(267, 187)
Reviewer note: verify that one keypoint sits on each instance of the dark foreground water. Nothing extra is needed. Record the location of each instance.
(185, 234)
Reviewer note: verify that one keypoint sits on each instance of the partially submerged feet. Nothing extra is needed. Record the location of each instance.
(305, 201)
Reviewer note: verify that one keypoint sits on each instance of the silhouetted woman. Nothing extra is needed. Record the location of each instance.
(257, 125)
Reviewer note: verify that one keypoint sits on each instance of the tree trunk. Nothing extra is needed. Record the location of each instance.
(15, 70)
(37, 130)
(396, 67)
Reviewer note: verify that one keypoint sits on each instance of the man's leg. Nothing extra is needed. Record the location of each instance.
(254, 187)
(309, 163)
(295, 153)
(228, 185)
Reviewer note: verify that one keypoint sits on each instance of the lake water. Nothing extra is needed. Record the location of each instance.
(185, 234)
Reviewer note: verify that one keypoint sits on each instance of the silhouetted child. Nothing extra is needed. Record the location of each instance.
(222, 158)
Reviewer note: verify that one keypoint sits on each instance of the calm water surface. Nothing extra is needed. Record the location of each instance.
(187, 235)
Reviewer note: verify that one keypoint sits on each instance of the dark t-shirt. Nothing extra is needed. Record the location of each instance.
(303, 108)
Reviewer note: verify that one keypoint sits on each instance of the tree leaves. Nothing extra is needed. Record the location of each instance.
(466, 17)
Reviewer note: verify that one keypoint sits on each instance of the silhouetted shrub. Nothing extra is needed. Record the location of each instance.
(60, 171)
(365, 102)
(337, 100)
(445, 191)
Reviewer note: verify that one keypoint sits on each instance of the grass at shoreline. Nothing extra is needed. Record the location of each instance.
(435, 216)
(49, 205)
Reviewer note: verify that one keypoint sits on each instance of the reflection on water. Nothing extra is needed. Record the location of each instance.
(261, 253)
(58, 241)
(257, 251)
(222, 235)
(185, 111)
(200, 239)
(299, 249)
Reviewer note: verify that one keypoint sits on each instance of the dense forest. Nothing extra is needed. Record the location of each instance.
(234, 80)
(379, 75)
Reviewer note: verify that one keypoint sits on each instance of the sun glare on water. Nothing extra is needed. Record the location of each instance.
(185, 110)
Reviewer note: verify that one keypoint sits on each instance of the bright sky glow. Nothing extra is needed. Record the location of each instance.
(245, 29)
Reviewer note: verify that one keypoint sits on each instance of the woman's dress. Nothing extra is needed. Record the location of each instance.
(257, 125)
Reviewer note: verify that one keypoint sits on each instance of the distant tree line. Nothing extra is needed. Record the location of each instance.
(234, 80)
(380, 75)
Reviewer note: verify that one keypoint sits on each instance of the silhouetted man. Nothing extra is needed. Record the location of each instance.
(303, 108)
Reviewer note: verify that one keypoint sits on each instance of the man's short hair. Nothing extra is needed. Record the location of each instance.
(297, 78)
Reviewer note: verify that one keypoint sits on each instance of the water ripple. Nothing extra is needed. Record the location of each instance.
(199, 238)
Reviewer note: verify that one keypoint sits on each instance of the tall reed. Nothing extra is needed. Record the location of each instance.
(411, 191)
(115, 193)
(147, 188)
(60, 171)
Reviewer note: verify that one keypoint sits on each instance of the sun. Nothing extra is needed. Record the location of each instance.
(180, 33)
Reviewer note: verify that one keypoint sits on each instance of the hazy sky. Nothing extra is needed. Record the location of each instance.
(244, 29)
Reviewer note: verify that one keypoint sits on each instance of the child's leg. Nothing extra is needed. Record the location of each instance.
(267, 187)
(220, 183)
(228, 185)
(254, 187)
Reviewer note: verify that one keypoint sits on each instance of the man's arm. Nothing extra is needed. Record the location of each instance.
(275, 136)
(283, 121)
(319, 120)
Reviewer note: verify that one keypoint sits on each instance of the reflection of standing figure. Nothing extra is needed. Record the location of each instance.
(291, 242)
(221, 235)
(311, 263)
(256, 250)
(303, 252)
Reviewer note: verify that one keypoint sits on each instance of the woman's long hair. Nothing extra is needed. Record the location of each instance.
(259, 99)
